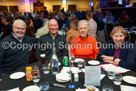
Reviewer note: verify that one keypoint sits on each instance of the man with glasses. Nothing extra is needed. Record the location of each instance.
(15, 49)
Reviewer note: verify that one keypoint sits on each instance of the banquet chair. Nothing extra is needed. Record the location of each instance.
(107, 29)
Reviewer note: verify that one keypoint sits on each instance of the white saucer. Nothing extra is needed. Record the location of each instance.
(17, 75)
(79, 59)
(63, 77)
(31, 88)
(62, 81)
(59, 64)
(130, 79)
(93, 62)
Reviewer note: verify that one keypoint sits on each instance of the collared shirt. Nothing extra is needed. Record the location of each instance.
(53, 38)
(20, 40)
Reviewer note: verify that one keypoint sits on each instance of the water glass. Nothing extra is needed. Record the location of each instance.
(44, 86)
(117, 79)
(35, 74)
(107, 88)
(80, 64)
(46, 69)
(110, 74)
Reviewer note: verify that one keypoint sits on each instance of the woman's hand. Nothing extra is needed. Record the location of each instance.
(116, 61)
(108, 59)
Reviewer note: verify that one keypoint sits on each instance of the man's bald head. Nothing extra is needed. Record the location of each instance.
(53, 27)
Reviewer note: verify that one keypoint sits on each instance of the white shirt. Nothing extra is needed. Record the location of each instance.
(92, 28)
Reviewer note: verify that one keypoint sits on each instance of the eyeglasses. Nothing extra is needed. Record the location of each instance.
(18, 28)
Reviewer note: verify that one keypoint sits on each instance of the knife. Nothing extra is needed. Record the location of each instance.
(58, 85)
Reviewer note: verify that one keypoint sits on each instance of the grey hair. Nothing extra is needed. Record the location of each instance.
(19, 21)
(85, 22)
(73, 15)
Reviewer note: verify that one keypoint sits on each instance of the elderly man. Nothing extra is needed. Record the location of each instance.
(50, 40)
(92, 24)
(15, 48)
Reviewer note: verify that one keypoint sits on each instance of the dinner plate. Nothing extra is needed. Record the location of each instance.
(79, 59)
(93, 62)
(31, 88)
(17, 75)
(130, 79)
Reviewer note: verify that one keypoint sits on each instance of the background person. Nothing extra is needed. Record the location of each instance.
(73, 32)
(92, 24)
(118, 51)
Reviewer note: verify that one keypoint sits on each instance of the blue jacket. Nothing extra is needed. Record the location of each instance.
(127, 54)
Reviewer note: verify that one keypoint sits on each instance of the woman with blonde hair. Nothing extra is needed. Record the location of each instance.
(118, 51)
(73, 32)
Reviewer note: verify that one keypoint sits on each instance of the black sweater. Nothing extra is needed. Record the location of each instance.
(15, 56)
(46, 47)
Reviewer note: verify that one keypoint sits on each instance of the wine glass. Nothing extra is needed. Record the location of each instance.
(72, 59)
(44, 86)
(35, 74)
(107, 88)
(80, 64)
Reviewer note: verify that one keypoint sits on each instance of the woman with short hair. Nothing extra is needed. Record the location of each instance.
(118, 51)
(84, 46)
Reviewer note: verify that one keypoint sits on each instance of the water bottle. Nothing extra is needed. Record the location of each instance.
(54, 62)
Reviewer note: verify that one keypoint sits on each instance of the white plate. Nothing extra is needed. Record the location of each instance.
(59, 64)
(79, 59)
(17, 75)
(62, 81)
(31, 88)
(63, 77)
(130, 79)
(93, 62)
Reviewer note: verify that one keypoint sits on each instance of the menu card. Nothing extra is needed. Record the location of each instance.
(92, 75)
(116, 68)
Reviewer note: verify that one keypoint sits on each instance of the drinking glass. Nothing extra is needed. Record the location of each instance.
(42, 59)
(44, 86)
(35, 74)
(72, 59)
(46, 69)
(107, 88)
(110, 74)
(80, 64)
(117, 78)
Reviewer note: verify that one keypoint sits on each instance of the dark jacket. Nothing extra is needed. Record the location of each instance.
(46, 42)
(127, 54)
(12, 54)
